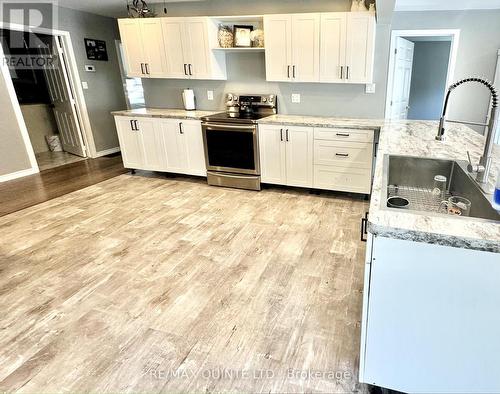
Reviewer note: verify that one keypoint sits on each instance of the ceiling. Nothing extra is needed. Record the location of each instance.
(113, 8)
(435, 5)
(116, 8)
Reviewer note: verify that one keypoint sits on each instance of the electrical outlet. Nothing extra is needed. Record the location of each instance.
(210, 95)
(370, 88)
(295, 98)
(85, 85)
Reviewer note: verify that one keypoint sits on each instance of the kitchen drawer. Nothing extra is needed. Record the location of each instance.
(350, 135)
(355, 180)
(344, 154)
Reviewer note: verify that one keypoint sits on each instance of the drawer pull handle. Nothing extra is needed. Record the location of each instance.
(343, 134)
(342, 154)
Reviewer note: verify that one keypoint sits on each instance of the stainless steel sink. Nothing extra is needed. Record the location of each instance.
(413, 178)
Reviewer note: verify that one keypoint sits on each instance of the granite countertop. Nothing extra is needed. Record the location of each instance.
(416, 138)
(322, 121)
(164, 113)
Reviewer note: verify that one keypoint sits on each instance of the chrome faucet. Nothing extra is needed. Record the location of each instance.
(483, 168)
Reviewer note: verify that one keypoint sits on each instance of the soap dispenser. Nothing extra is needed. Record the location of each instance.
(495, 202)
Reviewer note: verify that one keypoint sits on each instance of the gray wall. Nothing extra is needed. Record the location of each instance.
(246, 72)
(13, 155)
(428, 80)
(105, 92)
(477, 52)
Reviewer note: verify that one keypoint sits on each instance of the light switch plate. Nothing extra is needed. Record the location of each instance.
(210, 95)
(85, 85)
(370, 88)
(295, 98)
(90, 68)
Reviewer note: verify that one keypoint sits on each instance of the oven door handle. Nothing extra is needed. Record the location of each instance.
(222, 127)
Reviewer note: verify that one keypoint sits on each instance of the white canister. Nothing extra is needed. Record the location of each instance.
(188, 99)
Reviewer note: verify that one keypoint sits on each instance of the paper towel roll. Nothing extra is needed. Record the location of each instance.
(189, 99)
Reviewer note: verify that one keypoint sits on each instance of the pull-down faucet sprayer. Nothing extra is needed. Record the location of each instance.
(483, 168)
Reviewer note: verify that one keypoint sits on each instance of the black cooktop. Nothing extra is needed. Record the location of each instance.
(231, 117)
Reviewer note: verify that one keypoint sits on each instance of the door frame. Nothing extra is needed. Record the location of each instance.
(75, 81)
(453, 34)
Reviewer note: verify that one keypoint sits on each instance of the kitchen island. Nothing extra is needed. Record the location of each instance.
(432, 281)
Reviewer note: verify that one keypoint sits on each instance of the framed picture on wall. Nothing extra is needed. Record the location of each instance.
(242, 35)
(96, 49)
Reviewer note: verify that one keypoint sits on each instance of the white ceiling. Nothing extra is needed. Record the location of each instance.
(113, 8)
(435, 5)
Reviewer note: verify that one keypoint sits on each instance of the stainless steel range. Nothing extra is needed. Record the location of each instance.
(231, 141)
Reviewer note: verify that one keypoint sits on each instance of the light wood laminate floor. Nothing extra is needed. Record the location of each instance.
(151, 284)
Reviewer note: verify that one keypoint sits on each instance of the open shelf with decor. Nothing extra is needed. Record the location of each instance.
(237, 33)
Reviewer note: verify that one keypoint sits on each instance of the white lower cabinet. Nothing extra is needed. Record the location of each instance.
(183, 145)
(430, 318)
(168, 145)
(286, 155)
(321, 158)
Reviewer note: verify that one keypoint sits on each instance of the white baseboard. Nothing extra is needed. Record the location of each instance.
(18, 174)
(107, 152)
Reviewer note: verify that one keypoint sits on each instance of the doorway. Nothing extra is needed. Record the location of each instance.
(421, 67)
(46, 97)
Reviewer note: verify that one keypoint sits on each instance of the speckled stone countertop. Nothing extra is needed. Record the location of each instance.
(164, 113)
(322, 121)
(416, 138)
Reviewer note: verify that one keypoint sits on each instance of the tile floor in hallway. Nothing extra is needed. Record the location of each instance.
(152, 284)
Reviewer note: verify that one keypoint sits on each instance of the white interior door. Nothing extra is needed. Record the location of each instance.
(403, 63)
(333, 40)
(278, 45)
(63, 101)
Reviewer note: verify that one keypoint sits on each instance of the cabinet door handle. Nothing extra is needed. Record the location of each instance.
(185, 69)
(341, 72)
(142, 68)
(132, 125)
(180, 128)
(286, 135)
(281, 135)
(364, 227)
(288, 71)
(146, 65)
(293, 71)
(347, 74)
(190, 69)
(343, 134)
(342, 154)
(136, 126)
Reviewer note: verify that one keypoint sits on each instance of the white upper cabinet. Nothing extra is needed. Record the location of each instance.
(292, 47)
(171, 48)
(197, 49)
(173, 37)
(360, 47)
(333, 44)
(334, 47)
(305, 47)
(130, 32)
(278, 31)
(143, 46)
